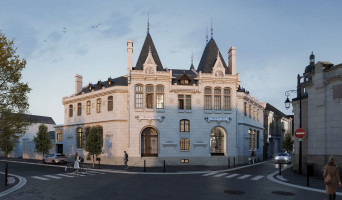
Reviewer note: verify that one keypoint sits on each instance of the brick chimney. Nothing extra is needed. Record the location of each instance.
(78, 83)
(130, 53)
(232, 60)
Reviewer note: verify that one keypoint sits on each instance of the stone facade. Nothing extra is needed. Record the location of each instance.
(182, 116)
(321, 115)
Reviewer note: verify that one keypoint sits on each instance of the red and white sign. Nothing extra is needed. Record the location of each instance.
(300, 133)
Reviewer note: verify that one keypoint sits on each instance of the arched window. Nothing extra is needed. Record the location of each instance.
(254, 139)
(79, 109)
(160, 97)
(184, 125)
(149, 96)
(71, 110)
(98, 105)
(250, 111)
(79, 138)
(88, 107)
(249, 139)
(207, 98)
(59, 135)
(138, 96)
(110, 103)
(87, 129)
(245, 108)
(217, 98)
(217, 141)
(258, 138)
(226, 99)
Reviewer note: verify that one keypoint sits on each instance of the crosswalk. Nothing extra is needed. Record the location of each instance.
(64, 175)
(234, 175)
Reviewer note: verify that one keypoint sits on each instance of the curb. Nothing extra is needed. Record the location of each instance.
(271, 178)
(22, 182)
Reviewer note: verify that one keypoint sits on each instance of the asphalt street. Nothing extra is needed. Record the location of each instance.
(49, 182)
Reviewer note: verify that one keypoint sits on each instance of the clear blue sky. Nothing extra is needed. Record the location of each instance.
(273, 39)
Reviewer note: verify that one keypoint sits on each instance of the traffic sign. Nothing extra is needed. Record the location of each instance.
(300, 133)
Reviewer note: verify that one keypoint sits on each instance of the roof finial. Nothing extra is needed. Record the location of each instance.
(148, 22)
(206, 37)
(192, 57)
(218, 53)
(211, 28)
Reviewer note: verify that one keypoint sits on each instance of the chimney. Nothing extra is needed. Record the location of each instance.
(130, 53)
(78, 83)
(232, 60)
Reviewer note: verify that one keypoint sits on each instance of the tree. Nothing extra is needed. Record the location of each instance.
(287, 143)
(94, 143)
(13, 96)
(42, 141)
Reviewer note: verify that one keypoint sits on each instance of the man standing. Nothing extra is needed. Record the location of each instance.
(126, 159)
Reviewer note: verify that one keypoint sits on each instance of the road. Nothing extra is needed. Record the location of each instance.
(48, 182)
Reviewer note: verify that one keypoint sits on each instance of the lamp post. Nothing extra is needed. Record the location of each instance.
(287, 106)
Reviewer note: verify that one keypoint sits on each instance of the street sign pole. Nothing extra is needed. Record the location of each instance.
(300, 133)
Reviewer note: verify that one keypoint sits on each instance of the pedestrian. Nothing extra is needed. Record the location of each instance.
(126, 159)
(331, 172)
(253, 156)
(76, 164)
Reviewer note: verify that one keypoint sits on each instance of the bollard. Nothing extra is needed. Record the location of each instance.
(307, 175)
(280, 169)
(144, 165)
(234, 161)
(6, 171)
(164, 166)
(228, 162)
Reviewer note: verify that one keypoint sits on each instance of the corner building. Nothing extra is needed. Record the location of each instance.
(182, 116)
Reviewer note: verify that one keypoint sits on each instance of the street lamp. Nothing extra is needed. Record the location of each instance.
(287, 106)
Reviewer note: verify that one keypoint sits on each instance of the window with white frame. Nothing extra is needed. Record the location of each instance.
(184, 125)
(149, 96)
(79, 109)
(217, 98)
(138, 96)
(226, 99)
(110, 103)
(184, 144)
(160, 96)
(207, 98)
(98, 105)
(88, 107)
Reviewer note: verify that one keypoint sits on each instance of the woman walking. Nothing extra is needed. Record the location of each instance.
(331, 178)
(76, 163)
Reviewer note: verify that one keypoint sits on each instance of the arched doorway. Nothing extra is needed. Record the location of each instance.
(149, 142)
(217, 141)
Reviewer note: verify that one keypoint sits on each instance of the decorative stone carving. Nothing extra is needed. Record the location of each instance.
(219, 73)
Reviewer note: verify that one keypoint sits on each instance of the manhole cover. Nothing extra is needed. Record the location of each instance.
(234, 192)
(283, 193)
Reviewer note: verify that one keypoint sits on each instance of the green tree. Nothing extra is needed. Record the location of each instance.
(13, 96)
(287, 143)
(94, 142)
(42, 140)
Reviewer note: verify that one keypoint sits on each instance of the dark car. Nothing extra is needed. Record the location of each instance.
(55, 159)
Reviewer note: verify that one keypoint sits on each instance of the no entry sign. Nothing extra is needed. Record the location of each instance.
(300, 133)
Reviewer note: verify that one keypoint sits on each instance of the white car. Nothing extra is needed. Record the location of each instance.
(283, 158)
(55, 159)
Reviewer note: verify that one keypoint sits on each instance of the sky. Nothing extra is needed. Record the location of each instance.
(273, 38)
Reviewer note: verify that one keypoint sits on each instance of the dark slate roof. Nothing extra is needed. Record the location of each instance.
(179, 73)
(39, 119)
(120, 81)
(144, 53)
(269, 107)
(209, 58)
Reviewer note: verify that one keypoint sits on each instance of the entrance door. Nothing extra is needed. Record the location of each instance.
(217, 141)
(149, 142)
(59, 148)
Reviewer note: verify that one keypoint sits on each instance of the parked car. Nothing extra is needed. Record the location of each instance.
(283, 158)
(55, 158)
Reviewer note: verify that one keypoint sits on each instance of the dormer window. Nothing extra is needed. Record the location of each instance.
(90, 87)
(99, 85)
(109, 81)
(184, 80)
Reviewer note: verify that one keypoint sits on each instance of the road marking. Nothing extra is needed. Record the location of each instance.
(244, 176)
(231, 176)
(219, 175)
(95, 172)
(65, 175)
(212, 173)
(257, 178)
(40, 178)
(55, 177)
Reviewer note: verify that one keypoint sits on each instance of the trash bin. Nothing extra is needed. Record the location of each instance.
(310, 169)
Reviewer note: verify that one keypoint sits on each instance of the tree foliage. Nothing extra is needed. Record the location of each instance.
(13, 96)
(42, 140)
(287, 143)
(94, 142)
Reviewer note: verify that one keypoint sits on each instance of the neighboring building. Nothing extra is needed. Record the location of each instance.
(321, 90)
(276, 124)
(197, 117)
(26, 147)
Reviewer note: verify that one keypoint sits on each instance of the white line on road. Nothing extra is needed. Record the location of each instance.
(95, 172)
(65, 175)
(257, 178)
(244, 176)
(209, 174)
(231, 176)
(40, 178)
(55, 177)
(219, 175)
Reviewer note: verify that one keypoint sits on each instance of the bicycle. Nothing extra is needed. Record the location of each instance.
(71, 171)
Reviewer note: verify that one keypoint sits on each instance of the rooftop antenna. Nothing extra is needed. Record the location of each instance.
(192, 57)
(148, 22)
(211, 28)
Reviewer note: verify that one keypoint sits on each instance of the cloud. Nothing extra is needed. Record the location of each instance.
(116, 25)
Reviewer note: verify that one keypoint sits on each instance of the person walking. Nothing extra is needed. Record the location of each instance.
(126, 159)
(253, 156)
(76, 164)
(331, 178)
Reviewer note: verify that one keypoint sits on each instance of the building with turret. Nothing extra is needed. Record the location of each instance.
(183, 116)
